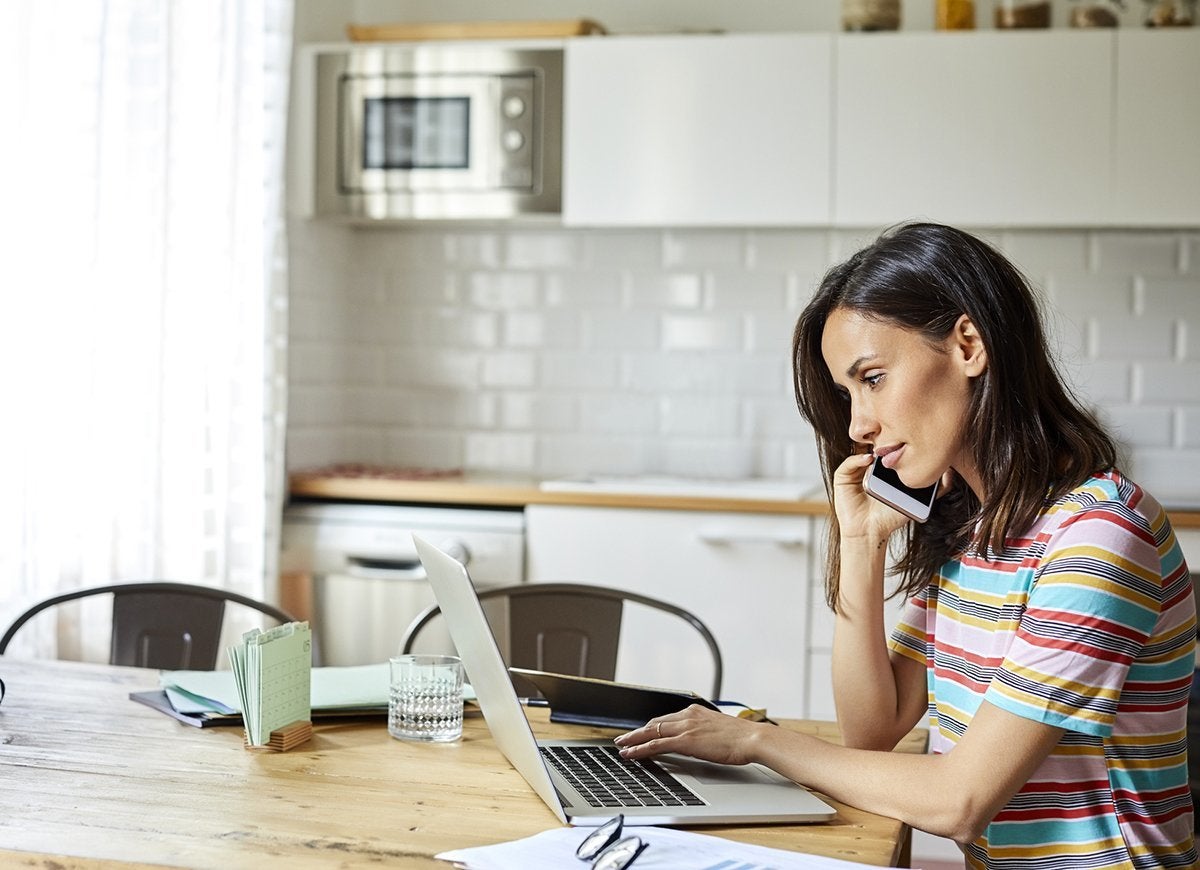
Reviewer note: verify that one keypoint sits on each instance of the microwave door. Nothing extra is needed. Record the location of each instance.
(403, 135)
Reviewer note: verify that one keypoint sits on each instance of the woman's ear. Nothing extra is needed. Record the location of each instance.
(969, 345)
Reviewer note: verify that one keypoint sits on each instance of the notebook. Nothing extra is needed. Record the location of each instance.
(719, 794)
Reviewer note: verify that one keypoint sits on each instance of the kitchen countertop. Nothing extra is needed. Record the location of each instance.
(518, 492)
(774, 497)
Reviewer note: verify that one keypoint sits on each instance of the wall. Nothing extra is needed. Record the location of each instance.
(551, 352)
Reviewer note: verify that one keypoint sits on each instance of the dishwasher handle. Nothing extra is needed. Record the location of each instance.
(404, 568)
(376, 568)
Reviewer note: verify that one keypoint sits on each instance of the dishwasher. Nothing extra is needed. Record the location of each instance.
(367, 582)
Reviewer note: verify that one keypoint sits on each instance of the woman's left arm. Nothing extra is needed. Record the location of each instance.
(953, 795)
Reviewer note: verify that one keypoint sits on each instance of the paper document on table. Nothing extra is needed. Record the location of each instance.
(273, 671)
(669, 849)
(350, 686)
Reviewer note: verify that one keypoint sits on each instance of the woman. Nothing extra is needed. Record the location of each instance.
(1049, 626)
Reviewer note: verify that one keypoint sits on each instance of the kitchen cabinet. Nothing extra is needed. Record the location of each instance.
(1157, 173)
(819, 660)
(1189, 540)
(745, 576)
(977, 128)
(728, 130)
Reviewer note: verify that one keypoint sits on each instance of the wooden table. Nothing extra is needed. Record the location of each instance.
(91, 779)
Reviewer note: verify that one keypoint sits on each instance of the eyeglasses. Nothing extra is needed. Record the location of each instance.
(604, 848)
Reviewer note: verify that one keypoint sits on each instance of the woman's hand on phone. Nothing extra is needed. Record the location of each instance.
(859, 515)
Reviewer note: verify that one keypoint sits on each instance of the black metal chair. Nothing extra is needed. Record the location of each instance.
(569, 628)
(170, 626)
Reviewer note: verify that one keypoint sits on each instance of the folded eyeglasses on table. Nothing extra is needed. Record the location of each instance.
(607, 850)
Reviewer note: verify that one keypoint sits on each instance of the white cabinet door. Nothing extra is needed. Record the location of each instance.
(1158, 128)
(729, 130)
(975, 128)
(819, 683)
(743, 575)
(1189, 540)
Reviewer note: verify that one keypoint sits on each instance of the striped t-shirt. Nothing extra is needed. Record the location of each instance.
(1086, 623)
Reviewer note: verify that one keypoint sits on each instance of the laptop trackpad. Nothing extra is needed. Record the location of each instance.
(707, 773)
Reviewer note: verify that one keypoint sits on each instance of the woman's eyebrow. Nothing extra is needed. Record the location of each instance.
(857, 364)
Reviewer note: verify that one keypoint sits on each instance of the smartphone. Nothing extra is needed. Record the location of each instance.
(884, 484)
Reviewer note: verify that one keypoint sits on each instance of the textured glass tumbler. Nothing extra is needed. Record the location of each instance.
(425, 701)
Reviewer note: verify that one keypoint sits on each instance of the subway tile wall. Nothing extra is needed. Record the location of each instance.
(548, 352)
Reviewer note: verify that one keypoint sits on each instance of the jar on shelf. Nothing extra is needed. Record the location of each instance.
(1010, 14)
(870, 14)
(955, 14)
(1095, 13)
(1170, 13)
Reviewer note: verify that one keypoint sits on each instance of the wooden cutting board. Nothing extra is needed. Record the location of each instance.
(473, 30)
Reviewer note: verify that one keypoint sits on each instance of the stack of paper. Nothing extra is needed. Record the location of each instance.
(273, 670)
(355, 690)
(679, 850)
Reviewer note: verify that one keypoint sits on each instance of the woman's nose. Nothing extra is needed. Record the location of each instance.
(862, 426)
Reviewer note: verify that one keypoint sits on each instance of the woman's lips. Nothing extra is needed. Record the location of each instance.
(889, 456)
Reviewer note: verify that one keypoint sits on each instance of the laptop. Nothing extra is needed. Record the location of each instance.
(568, 775)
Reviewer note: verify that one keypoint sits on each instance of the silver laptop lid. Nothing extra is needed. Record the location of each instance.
(472, 636)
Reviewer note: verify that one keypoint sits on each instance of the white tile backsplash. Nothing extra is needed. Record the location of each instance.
(550, 351)
(1138, 253)
(705, 248)
(1175, 296)
(618, 331)
(701, 416)
(703, 333)
(1169, 383)
(1128, 338)
(1083, 294)
(1040, 253)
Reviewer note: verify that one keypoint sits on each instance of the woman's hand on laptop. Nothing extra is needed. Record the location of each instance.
(698, 732)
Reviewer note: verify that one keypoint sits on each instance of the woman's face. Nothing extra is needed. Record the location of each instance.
(908, 398)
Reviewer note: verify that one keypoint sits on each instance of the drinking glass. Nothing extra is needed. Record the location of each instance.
(425, 700)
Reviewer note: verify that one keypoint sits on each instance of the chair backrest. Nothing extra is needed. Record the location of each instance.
(172, 626)
(568, 628)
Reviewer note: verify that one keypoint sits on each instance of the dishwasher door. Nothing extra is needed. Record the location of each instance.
(368, 583)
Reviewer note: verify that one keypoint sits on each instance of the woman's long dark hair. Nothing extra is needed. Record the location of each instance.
(1031, 439)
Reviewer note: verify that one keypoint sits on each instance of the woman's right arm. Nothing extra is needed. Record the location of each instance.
(879, 697)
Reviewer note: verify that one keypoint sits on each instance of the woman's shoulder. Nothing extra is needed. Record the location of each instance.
(1108, 494)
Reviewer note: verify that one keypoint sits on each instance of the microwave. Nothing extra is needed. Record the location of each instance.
(409, 132)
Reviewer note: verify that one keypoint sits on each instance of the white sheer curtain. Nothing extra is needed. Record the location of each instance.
(143, 301)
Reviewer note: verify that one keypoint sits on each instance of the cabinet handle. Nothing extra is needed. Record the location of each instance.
(781, 539)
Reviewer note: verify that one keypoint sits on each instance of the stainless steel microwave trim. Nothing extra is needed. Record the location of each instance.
(507, 101)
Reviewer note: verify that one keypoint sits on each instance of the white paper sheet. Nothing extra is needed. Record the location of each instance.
(669, 849)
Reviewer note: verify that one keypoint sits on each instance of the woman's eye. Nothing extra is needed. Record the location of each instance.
(873, 380)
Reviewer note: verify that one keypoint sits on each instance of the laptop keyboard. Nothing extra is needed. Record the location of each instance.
(605, 779)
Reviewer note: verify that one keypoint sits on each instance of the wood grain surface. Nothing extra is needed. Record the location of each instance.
(90, 779)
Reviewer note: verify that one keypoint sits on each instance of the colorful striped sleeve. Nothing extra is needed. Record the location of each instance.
(1096, 599)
